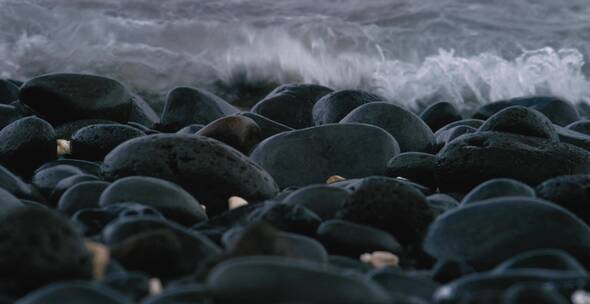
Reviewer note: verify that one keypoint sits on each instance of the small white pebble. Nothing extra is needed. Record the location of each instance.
(63, 147)
(380, 259)
(236, 201)
(155, 286)
(581, 297)
(334, 178)
(100, 258)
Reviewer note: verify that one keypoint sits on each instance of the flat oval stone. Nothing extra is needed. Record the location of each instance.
(208, 169)
(474, 158)
(8, 202)
(190, 129)
(94, 142)
(331, 108)
(135, 285)
(521, 120)
(39, 247)
(186, 105)
(45, 180)
(439, 114)
(323, 200)
(300, 281)
(491, 287)
(582, 126)
(268, 127)
(291, 104)
(64, 184)
(80, 196)
(405, 284)
(168, 198)
(550, 259)
(411, 133)
(182, 294)
(65, 97)
(15, 185)
(309, 156)
(8, 114)
(440, 203)
(25, 144)
(571, 192)
(74, 292)
(415, 166)
(174, 250)
(240, 132)
(290, 218)
(487, 233)
(537, 293)
(350, 239)
(88, 167)
(8, 91)
(498, 187)
(390, 205)
(66, 130)
(560, 112)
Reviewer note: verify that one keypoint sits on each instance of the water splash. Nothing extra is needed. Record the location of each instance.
(419, 56)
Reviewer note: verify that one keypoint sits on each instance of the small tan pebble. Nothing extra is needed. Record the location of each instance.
(155, 286)
(581, 297)
(100, 258)
(334, 178)
(204, 207)
(380, 259)
(63, 147)
(236, 201)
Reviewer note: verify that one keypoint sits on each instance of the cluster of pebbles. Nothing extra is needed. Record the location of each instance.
(309, 196)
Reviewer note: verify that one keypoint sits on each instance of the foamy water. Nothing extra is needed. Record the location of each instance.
(466, 52)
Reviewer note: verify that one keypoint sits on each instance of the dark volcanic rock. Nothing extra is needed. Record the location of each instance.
(521, 120)
(311, 155)
(8, 114)
(26, 144)
(290, 218)
(396, 283)
(168, 198)
(8, 91)
(74, 292)
(498, 187)
(334, 106)
(474, 158)
(537, 293)
(582, 126)
(135, 285)
(176, 295)
(415, 166)
(8, 202)
(238, 131)
(66, 130)
(268, 127)
(65, 97)
(549, 259)
(45, 180)
(350, 239)
(291, 104)
(390, 205)
(210, 170)
(80, 196)
(440, 114)
(571, 192)
(323, 200)
(190, 129)
(560, 112)
(14, 185)
(39, 247)
(173, 250)
(95, 141)
(411, 133)
(487, 233)
(300, 282)
(185, 106)
(64, 184)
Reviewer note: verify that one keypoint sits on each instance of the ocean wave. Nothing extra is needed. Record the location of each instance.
(152, 52)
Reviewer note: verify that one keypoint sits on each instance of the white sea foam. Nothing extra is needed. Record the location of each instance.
(468, 54)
